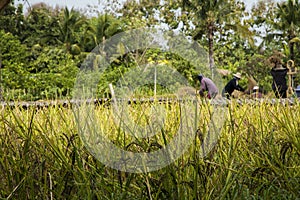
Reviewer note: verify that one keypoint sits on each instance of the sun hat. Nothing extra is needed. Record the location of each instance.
(278, 67)
(255, 87)
(238, 75)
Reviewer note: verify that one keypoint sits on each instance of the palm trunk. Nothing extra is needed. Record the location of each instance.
(291, 36)
(3, 3)
(211, 48)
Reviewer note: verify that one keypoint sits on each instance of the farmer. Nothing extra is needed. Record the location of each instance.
(232, 85)
(207, 87)
(256, 93)
(279, 73)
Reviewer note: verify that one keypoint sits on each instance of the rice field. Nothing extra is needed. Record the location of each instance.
(256, 156)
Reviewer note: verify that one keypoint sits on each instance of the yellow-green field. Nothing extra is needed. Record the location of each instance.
(257, 156)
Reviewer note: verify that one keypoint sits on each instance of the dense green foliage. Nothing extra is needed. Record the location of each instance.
(235, 39)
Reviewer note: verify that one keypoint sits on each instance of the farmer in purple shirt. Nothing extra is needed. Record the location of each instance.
(207, 86)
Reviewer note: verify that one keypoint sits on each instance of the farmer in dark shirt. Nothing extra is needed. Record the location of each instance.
(279, 85)
(232, 85)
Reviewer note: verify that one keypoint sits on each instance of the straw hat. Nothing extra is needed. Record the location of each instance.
(255, 87)
(279, 67)
(238, 75)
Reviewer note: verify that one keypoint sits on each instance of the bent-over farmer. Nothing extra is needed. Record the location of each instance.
(207, 87)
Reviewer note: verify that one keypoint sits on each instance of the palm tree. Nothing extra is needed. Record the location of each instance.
(107, 26)
(288, 15)
(69, 26)
(98, 29)
(57, 27)
(213, 16)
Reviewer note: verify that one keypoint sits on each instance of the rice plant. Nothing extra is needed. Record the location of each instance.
(257, 155)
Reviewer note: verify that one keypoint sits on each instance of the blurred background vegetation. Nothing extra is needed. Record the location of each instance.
(42, 48)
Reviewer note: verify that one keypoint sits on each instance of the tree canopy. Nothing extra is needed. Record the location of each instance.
(42, 50)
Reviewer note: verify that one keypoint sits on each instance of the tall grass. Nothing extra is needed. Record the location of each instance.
(256, 157)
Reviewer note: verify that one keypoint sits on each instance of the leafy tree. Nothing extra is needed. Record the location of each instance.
(212, 23)
(53, 73)
(288, 15)
(12, 19)
(263, 15)
(103, 27)
(138, 14)
(69, 28)
(41, 25)
(215, 18)
(40, 73)
(57, 27)
(13, 55)
(258, 67)
(277, 25)
(3, 4)
(12, 50)
(162, 14)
